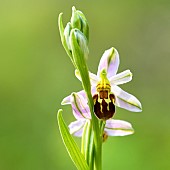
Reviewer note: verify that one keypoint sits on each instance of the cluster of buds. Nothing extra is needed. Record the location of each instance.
(75, 32)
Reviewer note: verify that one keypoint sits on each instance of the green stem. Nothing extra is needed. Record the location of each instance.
(96, 132)
(79, 59)
(83, 140)
(102, 126)
(87, 145)
(91, 154)
(88, 142)
(99, 151)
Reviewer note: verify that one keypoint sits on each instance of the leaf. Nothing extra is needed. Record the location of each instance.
(71, 145)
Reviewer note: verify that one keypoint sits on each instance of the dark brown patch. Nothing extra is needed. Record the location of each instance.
(103, 94)
(112, 97)
(101, 109)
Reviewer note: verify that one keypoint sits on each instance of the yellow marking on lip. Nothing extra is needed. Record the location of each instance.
(104, 100)
(104, 83)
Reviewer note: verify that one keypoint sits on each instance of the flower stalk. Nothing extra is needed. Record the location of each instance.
(79, 55)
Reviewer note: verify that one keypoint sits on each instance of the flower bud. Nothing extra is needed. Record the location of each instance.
(75, 19)
(85, 26)
(81, 41)
(80, 52)
(78, 20)
(67, 31)
(77, 43)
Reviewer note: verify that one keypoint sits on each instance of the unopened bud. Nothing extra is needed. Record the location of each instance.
(67, 31)
(84, 25)
(82, 42)
(78, 20)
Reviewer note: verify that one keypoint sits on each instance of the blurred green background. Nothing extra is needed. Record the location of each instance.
(36, 74)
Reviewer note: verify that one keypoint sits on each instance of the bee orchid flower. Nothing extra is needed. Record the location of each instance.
(81, 112)
(105, 91)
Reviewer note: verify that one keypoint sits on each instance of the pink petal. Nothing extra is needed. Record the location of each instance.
(126, 100)
(93, 90)
(118, 128)
(67, 100)
(121, 78)
(79, 106)
(76, 127)
(109, 62)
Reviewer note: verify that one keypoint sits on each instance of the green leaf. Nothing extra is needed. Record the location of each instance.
(71, 145)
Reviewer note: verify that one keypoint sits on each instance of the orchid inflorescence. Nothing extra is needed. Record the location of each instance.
(95, 106)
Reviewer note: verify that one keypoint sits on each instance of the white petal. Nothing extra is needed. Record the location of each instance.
(126, 100)
(76, 127)
(93, 77)
(109, 62)
(67, 100)
(121, 78)
(118, 128)
(93, 90)
(79, 106)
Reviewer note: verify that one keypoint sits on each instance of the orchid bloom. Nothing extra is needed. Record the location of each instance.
(105, 90)
(81, 112)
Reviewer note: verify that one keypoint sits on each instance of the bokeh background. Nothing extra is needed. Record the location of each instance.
(36, 74)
